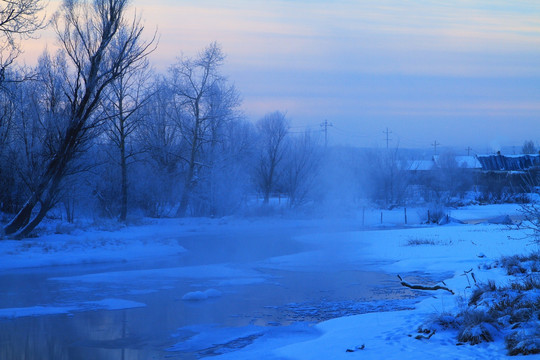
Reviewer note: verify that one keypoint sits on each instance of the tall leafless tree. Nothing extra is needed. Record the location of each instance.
(101, 44)
(122, 105)
(203, 102)
(301, 167)
(273, 129)
(528, 147)
(19, 19)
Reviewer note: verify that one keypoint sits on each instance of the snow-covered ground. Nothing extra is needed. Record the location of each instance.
(391, 335)
(440, 252)
(67, 244)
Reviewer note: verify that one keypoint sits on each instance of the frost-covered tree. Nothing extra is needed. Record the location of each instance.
(301, 167)
(8, 105)
(528, 147)
(100, 44)
(272, 131)
(386, 176)
(159, 139)
(203, 102)
(38, 109)
(223, 186)
(122, 105)
(19, 19)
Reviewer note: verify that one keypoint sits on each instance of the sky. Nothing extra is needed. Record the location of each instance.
(460, 73)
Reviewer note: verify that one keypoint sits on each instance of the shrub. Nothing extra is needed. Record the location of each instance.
(520, 264)
(420, 241)
(446, 320)
(524, 341)
(480, 290)
(477, 326)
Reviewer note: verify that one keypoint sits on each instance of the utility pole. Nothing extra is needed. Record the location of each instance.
(387, 139)
(325, 124)
(435, 144)
(468, 150)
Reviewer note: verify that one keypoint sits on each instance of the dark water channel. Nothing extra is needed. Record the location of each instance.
(271, 297)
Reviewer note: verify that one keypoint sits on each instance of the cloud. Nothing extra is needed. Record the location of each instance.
(375, 60)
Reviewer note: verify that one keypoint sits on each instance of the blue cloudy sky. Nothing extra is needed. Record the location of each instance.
(463, 73)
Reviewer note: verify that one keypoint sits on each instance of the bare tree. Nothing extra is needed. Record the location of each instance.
(203, 102)
(273, 129)
(301, 167)
(528, 147)
(223, 186)
(101, 45)
(9, 112)
(122, 105)
(19, 19)
(159, 139)
(387, 176)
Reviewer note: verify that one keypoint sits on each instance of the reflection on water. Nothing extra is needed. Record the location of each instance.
(285, 298)
(145, 333)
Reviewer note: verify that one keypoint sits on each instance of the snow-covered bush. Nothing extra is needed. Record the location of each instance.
(515, 307)
(445, 321)
(476, 326)
(480, 290)
(420, 241)
(520, 264)
(524, 341)
(531, 219)
(512, 310)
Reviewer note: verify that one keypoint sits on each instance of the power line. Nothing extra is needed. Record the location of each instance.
(325, 124)
(387, 139)
(354, 134)
(435, 144)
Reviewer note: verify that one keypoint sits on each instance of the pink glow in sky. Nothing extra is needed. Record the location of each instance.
(464, 73)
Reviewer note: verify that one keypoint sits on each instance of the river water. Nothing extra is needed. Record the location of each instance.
(255, 298)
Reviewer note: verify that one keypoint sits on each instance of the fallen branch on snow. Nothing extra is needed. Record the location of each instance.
(426, 337)
(422, 287)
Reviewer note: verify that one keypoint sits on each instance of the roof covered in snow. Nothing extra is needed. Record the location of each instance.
(422, 165)
(468, 162)
(508, 162)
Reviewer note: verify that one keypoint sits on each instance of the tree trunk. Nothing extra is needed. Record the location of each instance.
(22, 218)
(123, 164)
(35, 221)
(188, 185)
(269, 184)
(47, 203)
(48, 186)
(184, 200)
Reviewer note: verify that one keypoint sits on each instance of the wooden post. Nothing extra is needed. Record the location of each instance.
(405, 209)
(428, 217)
(363, 215)
(381, 217)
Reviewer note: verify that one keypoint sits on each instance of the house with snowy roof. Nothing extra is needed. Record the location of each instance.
(509, 163)
(507, 175)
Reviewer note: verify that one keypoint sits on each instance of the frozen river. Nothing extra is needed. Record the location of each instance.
(221, 295)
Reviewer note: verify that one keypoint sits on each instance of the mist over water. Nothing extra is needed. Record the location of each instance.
(265, 296)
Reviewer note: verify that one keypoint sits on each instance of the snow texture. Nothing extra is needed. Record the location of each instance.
(201, 295)
(105, 304)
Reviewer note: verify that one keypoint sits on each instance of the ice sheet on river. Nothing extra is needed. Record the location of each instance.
(39, 310)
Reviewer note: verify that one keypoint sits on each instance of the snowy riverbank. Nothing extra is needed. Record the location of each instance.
(435, 250)
(432, 252)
